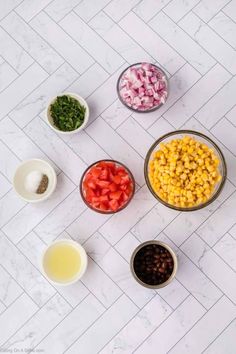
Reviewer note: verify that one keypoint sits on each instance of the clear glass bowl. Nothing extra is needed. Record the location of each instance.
(119, 164)
(200, 137)
(118, 87)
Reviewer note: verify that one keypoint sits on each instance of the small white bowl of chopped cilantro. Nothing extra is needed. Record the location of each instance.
(67, 113)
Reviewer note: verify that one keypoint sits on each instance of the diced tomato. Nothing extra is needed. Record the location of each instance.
(121, 170)
(125, 179)
(110, 175)
(104, 174)
(128, 190)
(115, 195)
(89, 191)
(91, 184)
(122, 173)
(111, 166)
(103, 198)
(95, 199)
(89, 195)
(95, 204)
(105, 191)
(101, 164)
(117, 179)
(107, 186)
(95, 171)
(88, 176)
(103, 207)
(114, 205)
(105, 164)
(102, 184)
(125, 196)
(113, 187)
(123, 187)
(98, 193)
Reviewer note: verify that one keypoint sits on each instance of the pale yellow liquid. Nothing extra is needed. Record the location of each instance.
(62, 262)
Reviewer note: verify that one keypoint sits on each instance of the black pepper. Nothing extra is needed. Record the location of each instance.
(43, 185)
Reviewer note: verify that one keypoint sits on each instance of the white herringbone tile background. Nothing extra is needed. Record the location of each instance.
(50, 46)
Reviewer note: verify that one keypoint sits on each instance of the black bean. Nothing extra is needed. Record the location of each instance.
(156, 256)
(161, 270)
(153, 264)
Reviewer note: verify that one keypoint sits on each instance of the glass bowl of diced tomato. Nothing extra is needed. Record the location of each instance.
(107, 186)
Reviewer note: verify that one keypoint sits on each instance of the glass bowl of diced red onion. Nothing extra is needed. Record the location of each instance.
(143, 87)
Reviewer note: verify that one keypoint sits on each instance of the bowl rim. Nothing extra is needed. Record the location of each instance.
(80, 250)
(44, 197)
(175, 261)
(131, 108)
(201, 135)
(103, 211)
(78, 98)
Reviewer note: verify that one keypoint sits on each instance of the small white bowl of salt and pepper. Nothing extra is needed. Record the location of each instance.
(34, 180)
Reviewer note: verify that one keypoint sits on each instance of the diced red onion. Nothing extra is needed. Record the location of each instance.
(144, 87)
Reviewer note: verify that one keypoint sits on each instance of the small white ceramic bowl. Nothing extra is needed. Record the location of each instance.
(84, 262)
(24, 169)
(77, 97)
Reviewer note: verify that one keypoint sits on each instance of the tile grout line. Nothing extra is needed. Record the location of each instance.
(205, 219)
(209, 278)
(34, 14)
(59, 25)
(164, 40)
(9, 306)
(8, 114)
(92, 324)
(134, 40)
(230, 18)
(105, 310)
(226, 148)
(116, 250)
(12, 67)
(211, 248)
(2, 18)
(186, 333)
(222, 293)
(117, 334)
(23, 290)
(34, 60)
(30, 318)
(152, 332)
(58, 292)
(157, 13)
(163, 115)
(35, 268)
(88, 24)
(193, 38)
(225, 116)
(32, 349)
(219, 335)
(186, 14)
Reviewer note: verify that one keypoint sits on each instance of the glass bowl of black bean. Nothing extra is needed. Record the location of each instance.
(153, 264)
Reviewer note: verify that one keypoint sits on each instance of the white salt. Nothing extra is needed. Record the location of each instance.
(32, 181)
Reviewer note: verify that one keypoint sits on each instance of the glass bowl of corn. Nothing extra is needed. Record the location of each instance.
(185, 170)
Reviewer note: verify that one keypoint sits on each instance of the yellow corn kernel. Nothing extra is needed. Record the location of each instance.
(184, 171)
